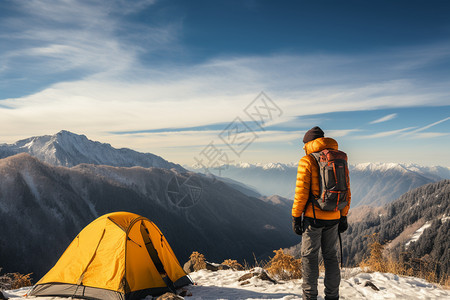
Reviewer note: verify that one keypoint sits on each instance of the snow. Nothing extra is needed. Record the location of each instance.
(29, 179)
(245, 165)
(69, 149)
(380, 167)
(277, 166)
(433, 172)
(416, 235)
(224, 284)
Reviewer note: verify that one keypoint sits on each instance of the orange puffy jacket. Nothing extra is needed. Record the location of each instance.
(308, 178)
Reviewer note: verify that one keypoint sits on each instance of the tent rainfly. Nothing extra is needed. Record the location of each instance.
(118, 256)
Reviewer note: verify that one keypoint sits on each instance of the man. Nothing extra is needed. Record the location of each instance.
(319, 228)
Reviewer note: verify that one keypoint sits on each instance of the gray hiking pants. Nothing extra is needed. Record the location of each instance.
(313, 239)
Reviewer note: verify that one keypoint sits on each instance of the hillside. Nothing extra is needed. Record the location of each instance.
(43, 207)
(416, 224)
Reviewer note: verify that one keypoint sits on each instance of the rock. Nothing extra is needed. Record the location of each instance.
(169, 296)
(238, 268)
(188, 267)
(245, 277)
(185, 293)
(244, 282)
(264, 276)
(224, 267)
(211, 267)
(373, 286)
(258, 274)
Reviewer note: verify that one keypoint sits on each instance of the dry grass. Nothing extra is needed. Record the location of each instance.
(256, 264)
(199, 261)
(20, 280)
(406, 265)
(12, 281)
(375, 262)
(284, 266)
(233, 264)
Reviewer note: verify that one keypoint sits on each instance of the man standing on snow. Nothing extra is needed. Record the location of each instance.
(318, 224)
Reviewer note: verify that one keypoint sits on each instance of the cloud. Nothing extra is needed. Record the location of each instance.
(108, 87)
(411, 132)
(384, 119)
(429, 126)
(341, 133)
(190, 96)
(80, 37)
(429, 135)
(384, 133)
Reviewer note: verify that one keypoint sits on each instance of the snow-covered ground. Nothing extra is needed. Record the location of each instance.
(225, 285)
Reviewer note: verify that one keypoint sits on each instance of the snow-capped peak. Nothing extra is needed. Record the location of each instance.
(278, 166)
(380, 167)
(69, 149)
(244, 165)
(433, 172)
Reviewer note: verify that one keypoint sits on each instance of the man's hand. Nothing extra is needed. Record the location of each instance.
(297, 225)
(343, 225)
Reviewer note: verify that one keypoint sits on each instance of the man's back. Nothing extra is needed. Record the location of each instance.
(319, 227)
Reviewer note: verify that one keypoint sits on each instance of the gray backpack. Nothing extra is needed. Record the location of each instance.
(334, 179)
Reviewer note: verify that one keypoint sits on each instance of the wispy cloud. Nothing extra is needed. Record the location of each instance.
(77, 36)
(429, 135)
(384, 119)
(384, 133)
(429, 126)
(196, 95)
(411, 132)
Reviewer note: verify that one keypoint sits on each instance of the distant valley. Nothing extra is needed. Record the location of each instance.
(373, 184)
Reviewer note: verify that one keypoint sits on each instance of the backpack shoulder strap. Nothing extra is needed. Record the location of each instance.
(316, 156)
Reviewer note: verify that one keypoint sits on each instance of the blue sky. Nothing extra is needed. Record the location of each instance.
(171, 77)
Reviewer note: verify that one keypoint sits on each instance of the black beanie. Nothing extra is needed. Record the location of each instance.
(312, 134)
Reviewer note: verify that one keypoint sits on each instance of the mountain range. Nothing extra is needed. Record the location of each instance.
(373, 184)
(69, 149)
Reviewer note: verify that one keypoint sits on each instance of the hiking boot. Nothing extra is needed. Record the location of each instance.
(308, 298)
(331, 298)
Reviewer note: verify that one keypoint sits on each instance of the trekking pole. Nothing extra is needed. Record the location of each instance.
(340, 246)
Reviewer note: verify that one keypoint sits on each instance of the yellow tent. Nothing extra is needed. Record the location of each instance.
(118, 256)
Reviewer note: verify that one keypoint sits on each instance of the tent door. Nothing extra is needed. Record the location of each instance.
(155, 258)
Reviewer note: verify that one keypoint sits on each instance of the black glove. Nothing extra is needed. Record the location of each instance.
(297, 225)
(343, 225)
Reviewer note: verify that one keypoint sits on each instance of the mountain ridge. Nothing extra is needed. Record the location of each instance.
(423, 210)
(69, 149)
